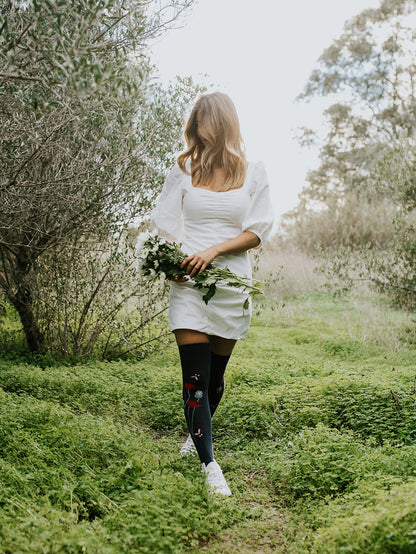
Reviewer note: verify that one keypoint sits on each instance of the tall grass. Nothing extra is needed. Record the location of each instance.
(291, 276)
(370, 320)
(287, 272)
(354, 221)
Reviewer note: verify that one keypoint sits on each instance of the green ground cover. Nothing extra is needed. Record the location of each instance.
(316, 435)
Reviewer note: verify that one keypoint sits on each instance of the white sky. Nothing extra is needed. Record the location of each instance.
(261, 54)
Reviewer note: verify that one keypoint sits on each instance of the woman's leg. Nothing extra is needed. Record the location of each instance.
(189, 336)
(194, 351)
(221, 350)
(221, 346)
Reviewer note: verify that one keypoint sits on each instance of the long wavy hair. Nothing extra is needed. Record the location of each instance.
(222, 145)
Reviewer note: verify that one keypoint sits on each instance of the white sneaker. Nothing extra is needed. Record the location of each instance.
(188, 447)
(215, 479)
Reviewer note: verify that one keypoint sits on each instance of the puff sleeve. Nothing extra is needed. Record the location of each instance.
(167, 216)
(259, 216)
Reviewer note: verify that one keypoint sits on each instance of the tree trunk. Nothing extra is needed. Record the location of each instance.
(22, 301)
(19, 293)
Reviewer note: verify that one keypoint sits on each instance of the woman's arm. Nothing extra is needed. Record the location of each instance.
(196, 263)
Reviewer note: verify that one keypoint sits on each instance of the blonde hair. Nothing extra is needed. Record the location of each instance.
(224, 146)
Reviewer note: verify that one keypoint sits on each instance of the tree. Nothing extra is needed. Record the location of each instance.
(371, 72)
(391, 270)
(369, 75)
(86, 136)
(367, 160)
(90, 297)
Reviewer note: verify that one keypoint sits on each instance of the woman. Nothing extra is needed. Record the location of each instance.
(218, 205)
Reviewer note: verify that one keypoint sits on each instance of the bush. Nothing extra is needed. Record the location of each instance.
(319, 462)
(73, 481)
(385, 524)
(323, 462)
(247, 413)
(380, 410)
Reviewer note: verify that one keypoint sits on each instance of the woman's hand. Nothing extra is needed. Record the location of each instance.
(197, 263)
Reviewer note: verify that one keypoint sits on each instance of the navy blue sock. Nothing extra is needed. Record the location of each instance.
(216, 381)
(196, 363)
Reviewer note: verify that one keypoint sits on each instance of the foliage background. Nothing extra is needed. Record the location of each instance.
(359, 204)
(87, 138)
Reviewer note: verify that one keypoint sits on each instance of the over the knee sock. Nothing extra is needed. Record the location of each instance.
(195, 361)
(216, 382)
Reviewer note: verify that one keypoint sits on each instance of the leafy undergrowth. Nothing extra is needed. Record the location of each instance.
(316, 435)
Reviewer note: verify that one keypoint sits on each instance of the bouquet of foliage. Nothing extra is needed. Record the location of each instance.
(164, 259)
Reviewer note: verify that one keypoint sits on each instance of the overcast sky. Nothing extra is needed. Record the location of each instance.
(261, 54)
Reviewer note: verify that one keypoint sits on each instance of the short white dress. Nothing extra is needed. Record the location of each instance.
(199, 218)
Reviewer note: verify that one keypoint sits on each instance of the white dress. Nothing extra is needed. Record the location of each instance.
(199, 218)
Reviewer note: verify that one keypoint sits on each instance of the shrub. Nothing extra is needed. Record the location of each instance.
(352, 222)
(246, 413)
(319, 462)
(72, 481)
(323, 462)
(381, 409)
(385, 524)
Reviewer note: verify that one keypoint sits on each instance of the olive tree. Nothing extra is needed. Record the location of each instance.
(86, 138)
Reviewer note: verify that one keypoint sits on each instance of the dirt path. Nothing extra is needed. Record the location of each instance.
(260, 533)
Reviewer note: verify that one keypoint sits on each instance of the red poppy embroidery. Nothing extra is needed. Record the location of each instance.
(189, 386)
(194, 404)
(199, 433)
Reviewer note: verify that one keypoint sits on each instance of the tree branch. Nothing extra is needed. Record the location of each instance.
(20, 77)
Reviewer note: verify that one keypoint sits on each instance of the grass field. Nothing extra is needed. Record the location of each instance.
(316, 435)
